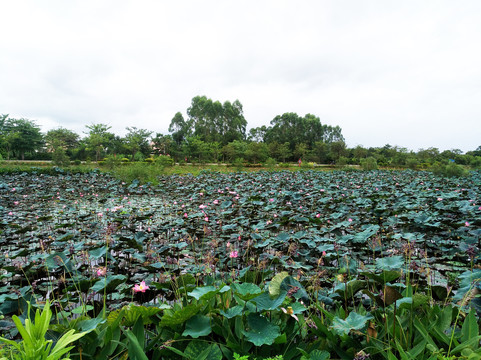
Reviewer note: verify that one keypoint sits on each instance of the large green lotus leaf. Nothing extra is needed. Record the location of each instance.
(316, 355)
(98, 253)
(232, 312)
(283, 237)
(203, 292)
(354, 321)
(201, 350)
(177, 317)
(298, 308)
(265, 302)
(351, 288)
(469, 280)
(196, 326)
(275, 283)
(58, 259)
(246, 291)
(132, 313)
(390, 295)
(363, 236)
(261, 331)
(295, 288)
(390, 263)
(109, 281)
(226, 204)
(185, 281)
(384, 277)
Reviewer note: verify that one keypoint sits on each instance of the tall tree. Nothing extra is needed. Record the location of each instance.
(212, 121)
(61, 137)
(20, 136)
(179, 128)
(99, 139)
(257, 134)
(294, 129)
(137, 140)
(163, 144)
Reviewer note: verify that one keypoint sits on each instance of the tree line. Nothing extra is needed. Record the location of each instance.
(212, 132)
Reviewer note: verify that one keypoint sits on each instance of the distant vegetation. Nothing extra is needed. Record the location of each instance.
(215, 132)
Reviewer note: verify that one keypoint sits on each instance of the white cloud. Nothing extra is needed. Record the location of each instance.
(404, 73)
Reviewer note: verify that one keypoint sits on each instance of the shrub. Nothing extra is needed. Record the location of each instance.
(111, 162)
(412, 163)
(270, 163)
(139, 156)
(307, 165)
(60, 158)
(369, 163)
(342, 161)
(165, 161)
(149, 160)
(449, 170)
(238, 164)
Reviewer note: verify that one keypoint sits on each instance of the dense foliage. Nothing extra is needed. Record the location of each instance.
(303, 264)
(217, 132)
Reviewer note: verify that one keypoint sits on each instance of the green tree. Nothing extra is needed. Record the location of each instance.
(61, 138)
(137, 140)
(99, 139)
(337, 149)
(301, 150)
(212, 121)
(215, 150)
(195, 148)
(321, 152)
(359, 153)
(256, 152)
(429, 155)
(179, 128)
(20, 137)
(294, 129)
(257, 134)
(163, 144)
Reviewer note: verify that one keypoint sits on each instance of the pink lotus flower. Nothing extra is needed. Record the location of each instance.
(318, 216)
(233, 254)
(350, 220)
(101, 271)
(206, 218)
(185, 215)
(466, 224)
(140, 287)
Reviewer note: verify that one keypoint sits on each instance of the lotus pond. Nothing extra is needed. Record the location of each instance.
(334, 246)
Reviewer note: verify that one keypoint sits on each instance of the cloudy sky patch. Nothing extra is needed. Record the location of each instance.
(388, 72)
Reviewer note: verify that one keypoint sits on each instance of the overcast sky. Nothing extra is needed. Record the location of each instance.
(405, 73)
